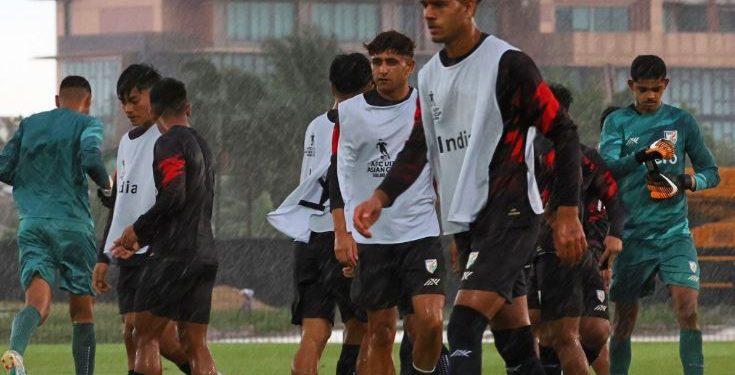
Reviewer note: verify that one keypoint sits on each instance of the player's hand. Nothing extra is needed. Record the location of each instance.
(454, 256)
(348, 272)
(606, 278)
(106, 197)
(569, 239)
(613, 247)
(368, 212)
(121, 252)
(666, 186)
(345, 248)
(661, 149)
(99, 278)
(129, 238)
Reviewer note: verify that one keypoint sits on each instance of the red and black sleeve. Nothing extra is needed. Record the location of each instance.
(606, 188)
(409, 162)
(526, 100)
(169, 170)
(335, 193)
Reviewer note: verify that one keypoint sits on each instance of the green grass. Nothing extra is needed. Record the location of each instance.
(275, 359)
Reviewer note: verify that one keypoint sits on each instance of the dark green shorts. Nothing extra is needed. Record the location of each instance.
(53, 248)
(673, 259)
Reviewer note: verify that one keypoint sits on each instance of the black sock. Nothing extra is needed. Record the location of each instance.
(550, 361)
(516, 347)
(405, 355)
(465, 330)
(138, 373)
(347, 364)
(591, 353)
(185, 368)
(131, 372)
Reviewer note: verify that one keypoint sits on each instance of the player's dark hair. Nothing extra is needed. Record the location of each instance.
(75, 82)
(168, 96)
(136, 76)
(350, 73)
(391, 41)
(647, 67)
(606, 113)
(562, 95)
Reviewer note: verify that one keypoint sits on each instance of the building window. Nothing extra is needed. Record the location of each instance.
(260, 20)
(67, 18)
(409, 20)
(102, 75)
(594, 19)
(727, 18)
(255, 63)
(687, 18)
(347, 22)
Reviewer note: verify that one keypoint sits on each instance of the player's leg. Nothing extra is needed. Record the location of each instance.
(547, 355)
(83, 339)
(511, 328)
(77, 254)
(562, 306)
(680, 272)
(349, 357)
(193, 338)
(423, 273)
(382, 333)
(171, 348)
(127, 284)
(499, 251)
(594, 328)
(313, 306)
(128, 321)
(633, 278)
(148, 329)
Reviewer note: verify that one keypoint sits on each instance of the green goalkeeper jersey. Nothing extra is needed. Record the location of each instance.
(47, 160)
(625, 132)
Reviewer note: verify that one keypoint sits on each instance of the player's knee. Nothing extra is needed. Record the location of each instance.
(429, 324)
(382, 335)
(564, 339)
(687, 313)
(596, 335)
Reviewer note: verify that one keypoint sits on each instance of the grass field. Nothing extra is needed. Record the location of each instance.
(274, 359)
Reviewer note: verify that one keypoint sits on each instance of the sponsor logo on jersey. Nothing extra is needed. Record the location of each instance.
(310, 150)
(632, 141)
(379, 168)
(671, 135)
(431, 265)
(694, 278)
(436, 112)
(601, 308)
(461, 142)
(432, 282)
(472, 258)
(127, 188)
(601, 295)
(693, 266)
(461, 353)
(514, 212)
(467, 275)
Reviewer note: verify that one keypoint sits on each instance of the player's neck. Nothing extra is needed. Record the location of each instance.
(395, 95)
(464, 43)
(647, 111)
(164, 125)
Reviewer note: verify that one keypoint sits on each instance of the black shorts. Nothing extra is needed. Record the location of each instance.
(178, 290)
(498, 254)
(570, 292)
(389, 275)
(127, 287)
(534, 299)
(319, 284)
(520, 286)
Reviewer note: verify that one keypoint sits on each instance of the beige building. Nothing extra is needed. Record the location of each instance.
(591, 39)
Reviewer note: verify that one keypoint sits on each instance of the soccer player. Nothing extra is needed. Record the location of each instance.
(656, 237)
(47, 162)
(181, 268)
(319, 283)
(572, 300)
(481, 99)
(134, 192)
(404, 258)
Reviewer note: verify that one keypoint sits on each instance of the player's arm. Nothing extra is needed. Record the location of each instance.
(345, 248)
(10, 156)
(606, 189)
(706, 173)
(91, 150)
(405, 171)
(101, 256)
(169, 167)
(525, 98)
(611, 148)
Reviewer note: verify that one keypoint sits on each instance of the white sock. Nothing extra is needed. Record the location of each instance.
(420, 371)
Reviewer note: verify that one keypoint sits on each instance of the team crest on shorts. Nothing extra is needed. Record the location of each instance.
(601, 295)
(472, 258)
(431, 265)
(693, 266)
(671, 135)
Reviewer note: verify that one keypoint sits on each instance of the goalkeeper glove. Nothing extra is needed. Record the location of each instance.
(666, 185)
(106, 197)
(661, 149)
